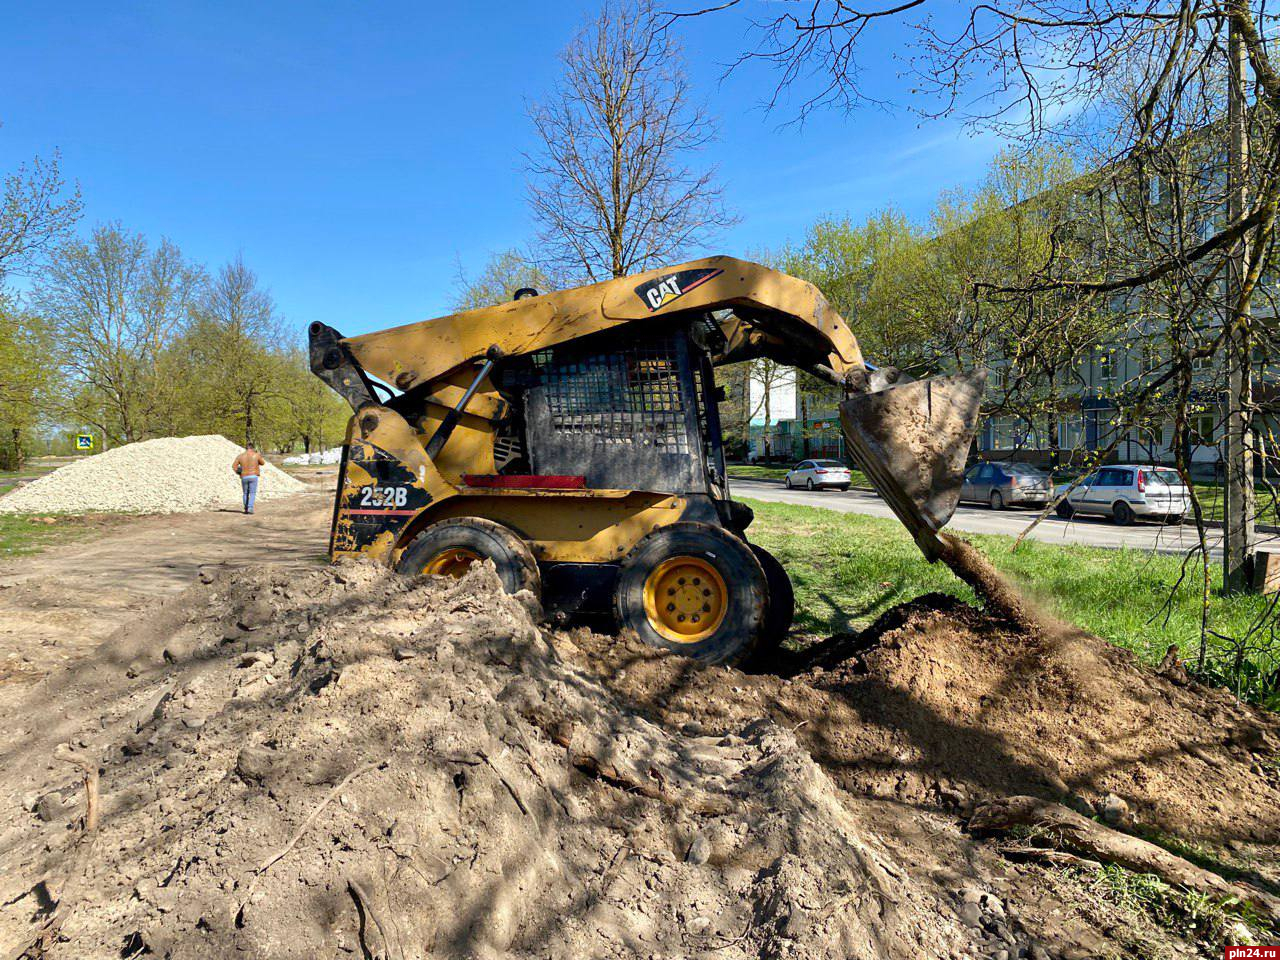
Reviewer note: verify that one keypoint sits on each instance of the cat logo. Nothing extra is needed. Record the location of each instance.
(656, 294)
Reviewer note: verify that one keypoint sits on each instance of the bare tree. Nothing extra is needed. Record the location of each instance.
(36, 213)
(1173, 108)
(235, 342)
(613, 186)
(767, 376)
(1123, 81)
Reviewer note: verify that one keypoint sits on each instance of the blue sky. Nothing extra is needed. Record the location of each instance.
(356, 153)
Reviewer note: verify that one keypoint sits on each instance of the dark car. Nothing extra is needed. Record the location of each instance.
(1002, 484)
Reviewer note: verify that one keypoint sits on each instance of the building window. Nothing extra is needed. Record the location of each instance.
(1202, 430)
(1105, 366)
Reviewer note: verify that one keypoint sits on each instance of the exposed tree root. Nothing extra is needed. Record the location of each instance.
(302, 828)
(67, 893)
(364, 904)
(90, 769)
(1065, 829)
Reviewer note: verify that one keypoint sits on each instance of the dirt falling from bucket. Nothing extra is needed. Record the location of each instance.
(1000, 596)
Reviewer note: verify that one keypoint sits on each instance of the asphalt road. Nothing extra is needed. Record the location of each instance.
(1091, 531)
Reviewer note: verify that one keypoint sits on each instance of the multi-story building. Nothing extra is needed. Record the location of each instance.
(1095, 408)
(1088, 412)
(1095, 405)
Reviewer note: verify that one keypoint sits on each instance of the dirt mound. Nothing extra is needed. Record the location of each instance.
(943, 704)
(166, 475)
(343, 762)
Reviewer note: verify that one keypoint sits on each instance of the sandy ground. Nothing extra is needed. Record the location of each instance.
(57, 605)
(447, 777)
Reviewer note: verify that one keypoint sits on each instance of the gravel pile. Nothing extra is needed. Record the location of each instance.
(323, 457)
(167, 475)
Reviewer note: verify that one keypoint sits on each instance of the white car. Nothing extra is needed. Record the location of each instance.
(1127, 492)
(817, 474)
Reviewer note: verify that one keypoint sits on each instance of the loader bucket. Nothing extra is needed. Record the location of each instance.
(912, 441)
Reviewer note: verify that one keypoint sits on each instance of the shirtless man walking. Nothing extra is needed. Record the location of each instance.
(247, 465)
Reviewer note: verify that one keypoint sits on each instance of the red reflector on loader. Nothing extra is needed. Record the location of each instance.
(524, 481)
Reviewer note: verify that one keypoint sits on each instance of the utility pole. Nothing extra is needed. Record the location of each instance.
(1240, 539)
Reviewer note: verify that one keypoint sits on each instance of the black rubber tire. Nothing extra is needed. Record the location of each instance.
(843, 488)
(808, 484)
(510, 554)
(997, 500)
(1122, 514)
(1065, 510)
(1174, 519)
(786, 482)
(748, 593)
(782, 601)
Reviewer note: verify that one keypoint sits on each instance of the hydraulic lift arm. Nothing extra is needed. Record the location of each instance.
(911, 437)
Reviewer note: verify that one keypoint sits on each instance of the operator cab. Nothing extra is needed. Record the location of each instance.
(627, 411)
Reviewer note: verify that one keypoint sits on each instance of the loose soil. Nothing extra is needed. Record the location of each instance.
(940, 703)
(58, 605)
(310, 760)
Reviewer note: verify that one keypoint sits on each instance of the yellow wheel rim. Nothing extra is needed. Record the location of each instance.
(453, 562)
(685, 599)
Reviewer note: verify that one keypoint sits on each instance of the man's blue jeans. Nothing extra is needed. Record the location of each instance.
(250, 487)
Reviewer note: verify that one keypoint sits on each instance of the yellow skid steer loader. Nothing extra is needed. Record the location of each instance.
(573, 438)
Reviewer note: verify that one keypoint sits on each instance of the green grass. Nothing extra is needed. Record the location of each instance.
(848, 569)
(21, 534)
(1192, 916)
(1211, 501)
(755, 471)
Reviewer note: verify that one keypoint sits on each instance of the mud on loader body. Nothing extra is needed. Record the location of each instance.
(574, 439)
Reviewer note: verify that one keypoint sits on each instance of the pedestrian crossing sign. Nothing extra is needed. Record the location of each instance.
(84, 441)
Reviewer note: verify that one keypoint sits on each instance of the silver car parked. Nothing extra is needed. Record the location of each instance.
(1003, 484)
(816, 474)
(1127, 492)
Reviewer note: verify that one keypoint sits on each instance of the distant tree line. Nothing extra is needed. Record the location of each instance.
(129, 339)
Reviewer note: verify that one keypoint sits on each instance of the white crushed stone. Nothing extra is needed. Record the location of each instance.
(322, 457)
(166, 475)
